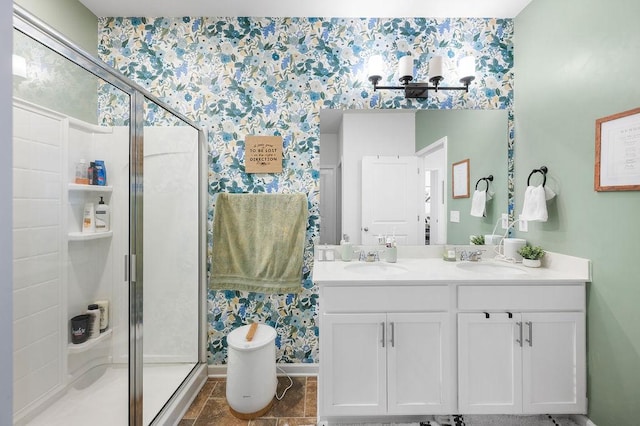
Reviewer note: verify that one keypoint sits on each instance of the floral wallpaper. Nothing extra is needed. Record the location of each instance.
(272, 76)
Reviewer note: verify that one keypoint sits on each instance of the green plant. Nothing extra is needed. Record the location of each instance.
(477, 240)
(531, 252)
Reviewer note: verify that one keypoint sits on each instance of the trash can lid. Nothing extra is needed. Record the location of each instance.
(237, 339)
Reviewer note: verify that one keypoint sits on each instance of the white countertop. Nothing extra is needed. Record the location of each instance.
(414, 268)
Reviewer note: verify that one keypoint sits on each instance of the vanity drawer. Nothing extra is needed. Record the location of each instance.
(395, 298)
(525, 297)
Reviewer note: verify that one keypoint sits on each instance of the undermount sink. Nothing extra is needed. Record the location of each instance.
(376, 268)
(491, 268)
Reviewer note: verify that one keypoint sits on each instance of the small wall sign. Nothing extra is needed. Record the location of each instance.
(263, 154)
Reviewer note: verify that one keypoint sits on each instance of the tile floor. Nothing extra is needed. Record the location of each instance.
(297, 408)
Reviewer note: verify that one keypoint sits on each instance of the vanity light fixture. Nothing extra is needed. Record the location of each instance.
(466, 69)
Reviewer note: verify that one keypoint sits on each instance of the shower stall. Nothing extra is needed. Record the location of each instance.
(146, 266)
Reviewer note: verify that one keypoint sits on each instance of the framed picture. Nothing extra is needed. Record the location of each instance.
(617, 166)
(460, 179)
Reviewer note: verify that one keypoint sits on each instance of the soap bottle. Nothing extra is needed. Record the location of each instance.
(89, 219)
(94, 320)
(102, 216)
(391, 250)
(103, 306)
(346, 250)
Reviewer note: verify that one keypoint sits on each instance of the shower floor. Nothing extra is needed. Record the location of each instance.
(106, 401)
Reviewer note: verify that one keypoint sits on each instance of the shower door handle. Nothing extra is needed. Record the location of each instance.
(133, 267)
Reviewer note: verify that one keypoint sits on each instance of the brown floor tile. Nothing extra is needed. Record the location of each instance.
(311, 398)
(292, 405)
(201, 399)
(297, 421)
(264, 422)
(216, 413)
(297, 408)
(220, 391)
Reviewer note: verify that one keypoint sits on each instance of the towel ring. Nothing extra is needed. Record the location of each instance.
(543, 170)
(487, 180)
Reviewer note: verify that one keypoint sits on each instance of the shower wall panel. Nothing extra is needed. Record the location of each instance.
(37, 256)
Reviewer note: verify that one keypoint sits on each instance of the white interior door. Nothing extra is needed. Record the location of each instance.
(392, 190)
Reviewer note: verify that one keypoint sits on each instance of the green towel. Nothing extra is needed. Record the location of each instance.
(258, 242)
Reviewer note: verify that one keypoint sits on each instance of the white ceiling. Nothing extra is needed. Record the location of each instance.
(315, 8)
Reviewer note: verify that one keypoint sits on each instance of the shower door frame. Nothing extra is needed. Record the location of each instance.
(37, 30)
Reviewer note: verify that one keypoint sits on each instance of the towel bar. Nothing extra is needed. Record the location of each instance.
(487, 180)
(543, 170)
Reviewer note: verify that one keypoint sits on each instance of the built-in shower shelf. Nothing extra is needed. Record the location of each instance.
(89, 188)
(81, 347)
(81, 236)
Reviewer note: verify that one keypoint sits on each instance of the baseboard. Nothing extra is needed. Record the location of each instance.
(298, 369)
(582, 420)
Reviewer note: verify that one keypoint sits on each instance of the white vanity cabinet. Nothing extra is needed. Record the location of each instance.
(383, 354)
(424, 337)
(524, 354)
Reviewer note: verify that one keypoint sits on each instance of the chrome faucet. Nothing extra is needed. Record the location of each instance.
(471, 255)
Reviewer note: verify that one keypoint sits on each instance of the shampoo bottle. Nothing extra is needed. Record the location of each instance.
(89, 219)
(94, 320)
(102, 216)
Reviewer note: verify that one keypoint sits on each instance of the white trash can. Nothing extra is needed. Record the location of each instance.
(251, 371)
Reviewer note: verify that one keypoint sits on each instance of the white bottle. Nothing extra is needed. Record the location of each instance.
(103, 305)
(102, 216)
(89, 219)
(94, 320)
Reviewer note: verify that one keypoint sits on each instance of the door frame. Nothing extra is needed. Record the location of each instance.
(440, 234)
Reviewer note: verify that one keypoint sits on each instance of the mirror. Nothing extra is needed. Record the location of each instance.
(439, 138)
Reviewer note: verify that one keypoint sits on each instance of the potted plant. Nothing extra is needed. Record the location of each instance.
(531, 255)
(477, 240)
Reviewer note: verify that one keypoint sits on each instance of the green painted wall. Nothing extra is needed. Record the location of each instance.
(69, 17)
(480, 136)
(576, 61)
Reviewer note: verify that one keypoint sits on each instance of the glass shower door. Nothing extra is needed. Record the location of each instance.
(61, 266)
(171, 264)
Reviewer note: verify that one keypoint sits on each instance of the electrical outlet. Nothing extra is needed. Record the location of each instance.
(523, 225)
(454, 216)
(505, 221)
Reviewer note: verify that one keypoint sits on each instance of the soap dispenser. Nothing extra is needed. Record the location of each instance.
(346, 250)
(102, 216)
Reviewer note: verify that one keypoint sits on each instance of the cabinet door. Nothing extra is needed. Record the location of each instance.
(489, 364)
(554, 372)
(355, 360)
(418, 363)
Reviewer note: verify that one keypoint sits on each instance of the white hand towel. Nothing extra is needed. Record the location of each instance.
(534, 207)
(478, 203)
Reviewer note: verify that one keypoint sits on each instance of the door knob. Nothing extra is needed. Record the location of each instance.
(365, 229)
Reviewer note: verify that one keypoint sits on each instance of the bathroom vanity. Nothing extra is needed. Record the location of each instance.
(423, 336)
